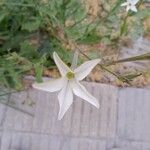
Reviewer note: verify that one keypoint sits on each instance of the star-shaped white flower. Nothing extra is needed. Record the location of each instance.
(130, 5)
(69, 84)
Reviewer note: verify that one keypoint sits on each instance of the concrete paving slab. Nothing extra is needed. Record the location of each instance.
(82, 119)
(133, 115)
(122, 122)
(132, 144)
(13, 140)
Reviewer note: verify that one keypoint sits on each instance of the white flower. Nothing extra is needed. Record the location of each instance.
(130, 5)
(69, 84)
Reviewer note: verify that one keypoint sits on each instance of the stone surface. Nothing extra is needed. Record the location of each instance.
(133, 116)
(82, 119)
(13, 140)
(122, 122)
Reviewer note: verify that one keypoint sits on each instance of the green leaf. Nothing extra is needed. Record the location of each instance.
(124, 29)
(76, 32)
(26, 50)
(38, 72)
(39, 66)
(2, 16)
(80, 14)
(14, 79)
(11, 76)
(31, 25)
(143, 57)
(91, 38)
(130, 77)
(13, 41)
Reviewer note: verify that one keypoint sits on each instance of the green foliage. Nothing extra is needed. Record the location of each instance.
(32, 25)
(9, 74)
(30, 31)
(91, 38)
(39, 69)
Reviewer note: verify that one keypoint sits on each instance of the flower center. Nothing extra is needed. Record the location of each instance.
(70, 75)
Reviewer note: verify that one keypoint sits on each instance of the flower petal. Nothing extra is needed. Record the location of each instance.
(81, 91)
(82, 71)
(63, 68)
(133, 8)
(65, 98)
(51, 86)
(134, 2)
(124, 4)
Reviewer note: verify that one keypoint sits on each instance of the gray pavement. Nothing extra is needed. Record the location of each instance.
(122, 122)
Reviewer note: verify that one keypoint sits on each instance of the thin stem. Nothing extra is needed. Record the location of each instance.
(122, 29)
(122, 78)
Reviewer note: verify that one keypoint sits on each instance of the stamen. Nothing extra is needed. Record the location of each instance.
(70, 75)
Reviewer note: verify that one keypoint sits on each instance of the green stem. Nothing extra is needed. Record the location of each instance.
(122, 78)
(123, 27)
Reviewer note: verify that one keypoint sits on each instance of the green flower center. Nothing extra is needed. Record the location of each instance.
(70, 75)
